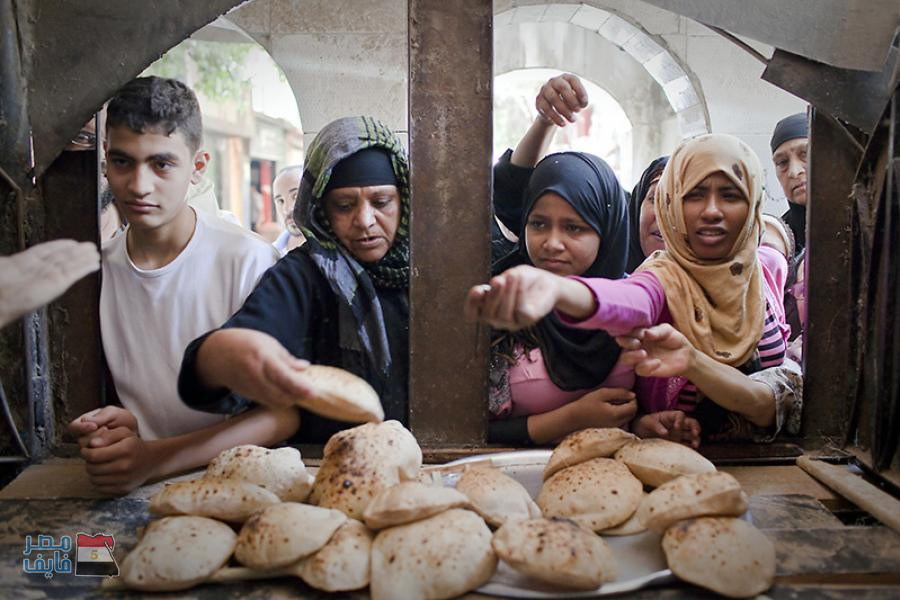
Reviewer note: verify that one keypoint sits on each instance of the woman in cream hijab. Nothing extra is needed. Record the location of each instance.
(713, 286)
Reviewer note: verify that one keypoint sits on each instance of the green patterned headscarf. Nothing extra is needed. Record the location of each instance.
(362, 328)
(338, 140)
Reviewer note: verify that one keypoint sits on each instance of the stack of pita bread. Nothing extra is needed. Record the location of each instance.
(370, 518)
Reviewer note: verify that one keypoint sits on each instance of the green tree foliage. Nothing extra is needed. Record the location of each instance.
(215, 69)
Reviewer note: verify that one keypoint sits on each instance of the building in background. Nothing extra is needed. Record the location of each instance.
(251, 125)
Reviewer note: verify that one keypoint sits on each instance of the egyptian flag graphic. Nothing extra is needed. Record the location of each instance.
(94, 556)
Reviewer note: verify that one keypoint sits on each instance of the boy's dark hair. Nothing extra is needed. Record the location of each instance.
(157, 103)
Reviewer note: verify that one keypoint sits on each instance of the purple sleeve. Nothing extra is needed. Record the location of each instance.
(622, 304)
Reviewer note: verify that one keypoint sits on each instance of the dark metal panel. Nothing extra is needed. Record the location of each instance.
(84, 51)
(450, 77)
(69, 189)
(828, 344)
(858, 97)
(851, 34)
(14, 128)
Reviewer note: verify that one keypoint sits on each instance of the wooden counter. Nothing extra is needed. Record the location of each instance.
(818, 556)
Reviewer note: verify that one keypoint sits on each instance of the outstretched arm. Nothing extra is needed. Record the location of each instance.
(523, 295)
(32, 278)
(662, 351)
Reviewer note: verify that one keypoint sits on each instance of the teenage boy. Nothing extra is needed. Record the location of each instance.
(174, 274)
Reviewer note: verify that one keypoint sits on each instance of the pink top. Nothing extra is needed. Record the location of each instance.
(640, 301)
(533, 392)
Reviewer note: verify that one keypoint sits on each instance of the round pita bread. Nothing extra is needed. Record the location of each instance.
(224, 499)
(284, 533)
(558, 551)
(340, 395)
(442, 556)
(497, 497)
(599, 493)
(726, 555)
(360, 462)
(342, 564)
(656, 461)
(177, 553)
(280, 471)
(585, 444)
(632, 526)
(699, 495)
(410, 501)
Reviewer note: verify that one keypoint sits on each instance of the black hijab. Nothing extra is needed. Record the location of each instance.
(635, 252)
(576, 358)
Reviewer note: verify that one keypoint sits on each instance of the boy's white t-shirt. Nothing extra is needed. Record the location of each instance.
(148, 317)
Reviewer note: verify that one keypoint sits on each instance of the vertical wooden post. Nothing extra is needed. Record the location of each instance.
(71, 208)
(450, 77)
(828, 346)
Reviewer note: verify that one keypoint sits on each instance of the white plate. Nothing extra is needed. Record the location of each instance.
(640, 559)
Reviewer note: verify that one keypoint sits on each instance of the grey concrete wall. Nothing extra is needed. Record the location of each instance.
(341, 57)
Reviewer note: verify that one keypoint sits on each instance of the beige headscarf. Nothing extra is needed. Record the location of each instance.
(717, 304)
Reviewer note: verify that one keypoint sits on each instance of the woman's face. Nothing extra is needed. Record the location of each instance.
(650, 237)
(364, 219)
(558, 239)
(714, 213)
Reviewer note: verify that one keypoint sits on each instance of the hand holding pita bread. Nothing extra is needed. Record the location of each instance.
(31, 279)
(253, 364)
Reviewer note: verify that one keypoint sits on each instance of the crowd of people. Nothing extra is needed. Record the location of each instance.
(673, 311)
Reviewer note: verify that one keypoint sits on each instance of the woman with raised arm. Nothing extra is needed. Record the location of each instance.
(713, 283)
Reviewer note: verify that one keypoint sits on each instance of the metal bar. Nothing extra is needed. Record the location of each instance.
(739, 43)
(828, 339)
(450, 77)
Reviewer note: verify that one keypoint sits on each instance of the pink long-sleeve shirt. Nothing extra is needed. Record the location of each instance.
(640, 301)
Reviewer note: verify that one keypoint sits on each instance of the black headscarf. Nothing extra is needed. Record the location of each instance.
(576, 358)
(791, 128)
(635, 252)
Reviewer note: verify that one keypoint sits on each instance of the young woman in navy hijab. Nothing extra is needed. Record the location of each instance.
(550, 379)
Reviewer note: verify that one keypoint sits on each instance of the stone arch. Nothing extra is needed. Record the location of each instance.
(660, 96)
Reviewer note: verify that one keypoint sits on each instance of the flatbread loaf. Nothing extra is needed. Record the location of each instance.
(558, 551)
(726, 555)
(177, 553)
(342, 564)
(656, 461)
(497, 497)
(340, 395)
(585, 444)
(280, 470)
(284, 533)
(224, 499)
(360, 462)
(631, 526)
(599, 493)
(410, 501)
(699, 495)
(442, 556)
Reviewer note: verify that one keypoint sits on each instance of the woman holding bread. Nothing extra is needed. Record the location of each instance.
(714, 284)
(340, 299)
